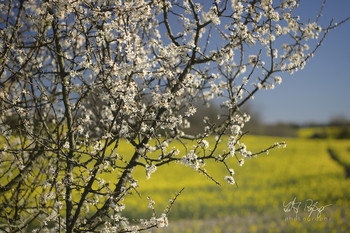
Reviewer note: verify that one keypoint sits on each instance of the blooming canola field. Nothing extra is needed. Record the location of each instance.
(299, 188)
(295, 189)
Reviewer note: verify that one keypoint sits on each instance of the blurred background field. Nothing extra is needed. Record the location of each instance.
(304, 172)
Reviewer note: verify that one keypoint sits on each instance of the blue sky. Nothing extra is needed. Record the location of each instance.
(321, 90)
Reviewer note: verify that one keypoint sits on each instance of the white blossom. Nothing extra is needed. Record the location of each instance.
(150, 169)
(204, 144)
(230, 179)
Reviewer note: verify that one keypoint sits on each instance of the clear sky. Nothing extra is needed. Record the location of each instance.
(322, 90)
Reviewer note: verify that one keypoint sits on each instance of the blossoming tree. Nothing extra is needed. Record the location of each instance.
(77, 77)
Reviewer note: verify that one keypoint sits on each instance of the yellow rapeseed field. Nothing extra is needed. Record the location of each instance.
(295, 189)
